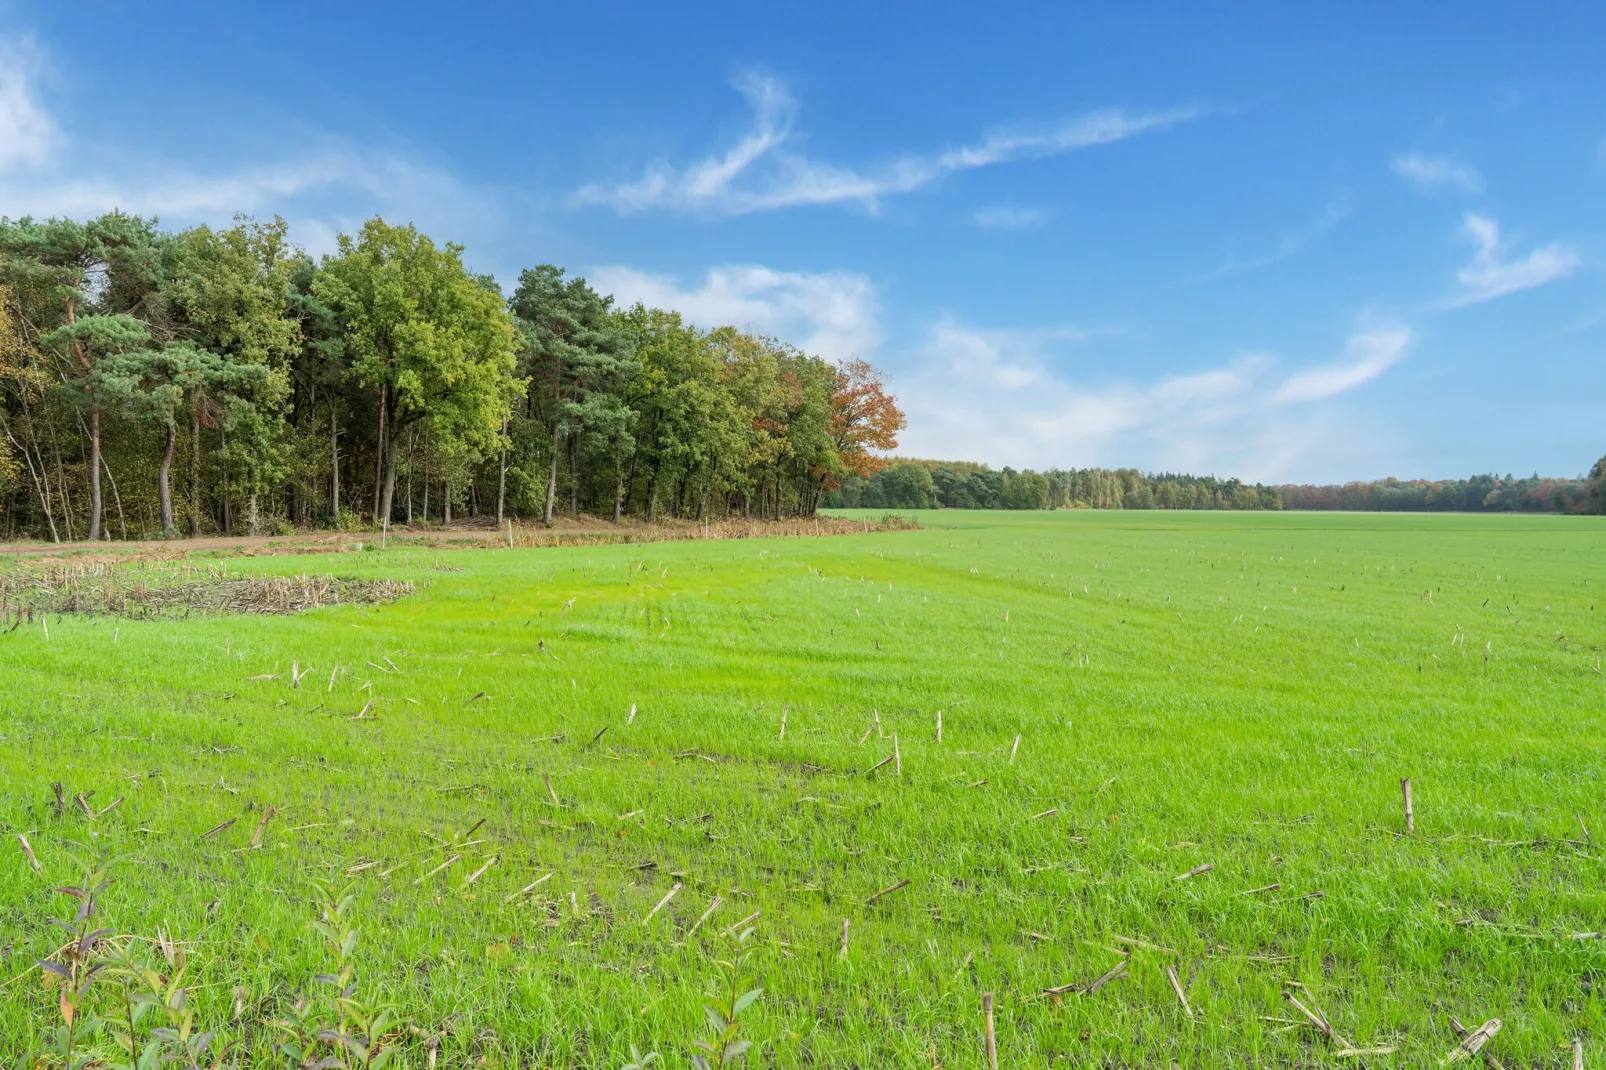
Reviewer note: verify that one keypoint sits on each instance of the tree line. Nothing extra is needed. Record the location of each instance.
(1479, 494)
(224, 381)
(923, 484)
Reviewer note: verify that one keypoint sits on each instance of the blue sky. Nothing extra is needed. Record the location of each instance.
(1298, 242)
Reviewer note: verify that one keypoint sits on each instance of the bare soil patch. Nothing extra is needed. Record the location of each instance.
(155, 590)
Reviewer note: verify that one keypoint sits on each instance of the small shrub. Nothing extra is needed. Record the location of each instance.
(724, 1045)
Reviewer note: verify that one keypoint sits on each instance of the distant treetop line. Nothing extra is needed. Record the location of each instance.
(911, 483)
(222, 381)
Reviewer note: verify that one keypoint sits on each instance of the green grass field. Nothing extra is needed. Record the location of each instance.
(1124, 698)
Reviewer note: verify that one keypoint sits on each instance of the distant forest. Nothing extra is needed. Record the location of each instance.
(919, 484)
(922, 484)
(1480, 494)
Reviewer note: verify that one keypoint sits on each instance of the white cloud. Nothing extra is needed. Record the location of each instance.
(1368, 354)
(1429, 172)
(1009, 217)
(758, 173)
(829, 314)
(996, 396)
(1488, 276)
(27, 134)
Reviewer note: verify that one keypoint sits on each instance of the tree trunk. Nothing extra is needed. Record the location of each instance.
(501, 477)
(41, 482)
(195, 473)
(379, 455)
(307, 491)
(164, 493)
(552, 477)
(334, 462)
(448, 517)
(253, 524)
(105, 465)
(61, 481)
(389, 496)
(630, 480)
(425, 513)
(94, 469)
(618, 498)
(228, 512)
(94, 435)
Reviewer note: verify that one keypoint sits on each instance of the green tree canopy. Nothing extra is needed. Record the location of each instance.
(432, 342)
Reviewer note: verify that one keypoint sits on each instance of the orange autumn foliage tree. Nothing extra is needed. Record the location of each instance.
(864, 417)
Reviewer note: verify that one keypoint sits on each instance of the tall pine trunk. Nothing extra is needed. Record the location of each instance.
(94, 469)
(164, 494)
(94, 435)
(552, 477)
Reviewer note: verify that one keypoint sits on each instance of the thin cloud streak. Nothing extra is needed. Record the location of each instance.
(1290, 244)
(1488, 276)
(1368, 354)
(758, 174)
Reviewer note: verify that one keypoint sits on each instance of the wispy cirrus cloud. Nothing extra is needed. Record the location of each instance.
(1436, 172)
(1367, 354)
(759, 173)
(1490, 275)
(834, 315)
